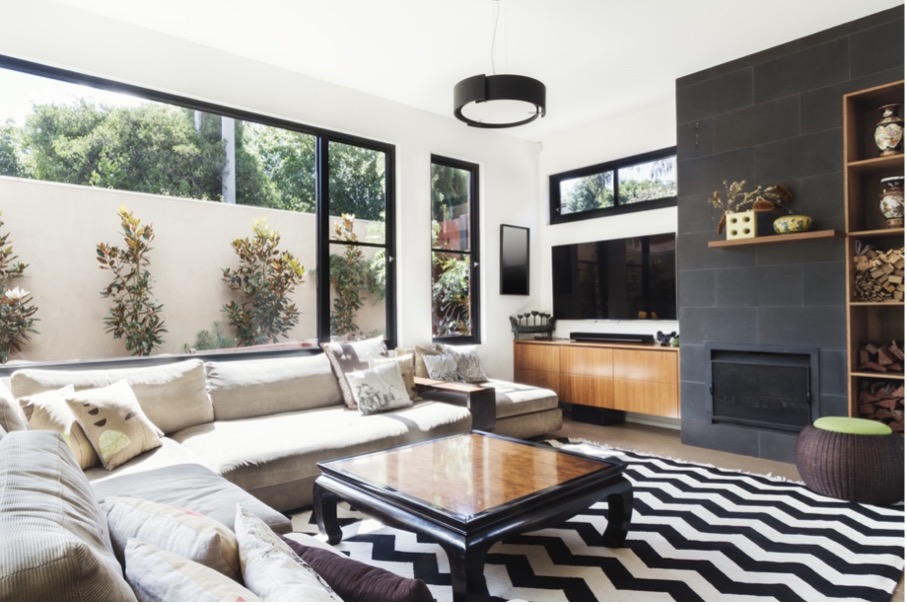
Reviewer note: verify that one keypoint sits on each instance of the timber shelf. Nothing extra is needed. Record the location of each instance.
(777, 239)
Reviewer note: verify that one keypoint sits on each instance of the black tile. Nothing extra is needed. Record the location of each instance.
(821, 197)
(814, 326)
(812, 68)
(824, 283)
(757, 124)
(721, 437)
(738, 64)
(877, 49)
(832, 373)
(818, 251)
(715, 95)
(728, 325)
(821, 109)
(696, 288)
(694, 362)
(777, 445)
(776, 285)
(693, 253)
(798, 157)
(696, 213)
(851, 27)
(703, 175)
(695, 401)
(833, 405)
(694, 139)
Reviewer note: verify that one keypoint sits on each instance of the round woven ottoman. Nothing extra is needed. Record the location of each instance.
(852, 459)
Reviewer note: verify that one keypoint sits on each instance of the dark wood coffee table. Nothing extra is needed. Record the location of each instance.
(469, 491)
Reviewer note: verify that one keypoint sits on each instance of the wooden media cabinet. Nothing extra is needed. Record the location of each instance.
(637, 378)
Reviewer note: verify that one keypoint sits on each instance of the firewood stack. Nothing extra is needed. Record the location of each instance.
(887, 358)
(878, 275)
(883, 401)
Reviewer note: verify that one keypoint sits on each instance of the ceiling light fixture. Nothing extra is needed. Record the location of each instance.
(498, 101)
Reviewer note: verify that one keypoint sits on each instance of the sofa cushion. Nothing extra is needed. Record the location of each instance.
(178, 530)
(354, 580)
(378, 390)
(48, 411)
(114, 423)
(55, 544)
(442, 366)
(157, 575)
(418, 352)
(469, 366)
(11, 416)
(186, 485)
(407, 371)
(350, 356)
(514, 399)
(258, 387)
(271, 569)
(172, 395)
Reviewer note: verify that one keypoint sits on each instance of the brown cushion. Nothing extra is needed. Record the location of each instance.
(357, 581)
(351, 356)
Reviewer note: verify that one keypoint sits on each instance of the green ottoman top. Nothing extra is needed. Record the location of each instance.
(852, 426)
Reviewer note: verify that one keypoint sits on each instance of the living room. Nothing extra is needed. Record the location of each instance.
(718, 136)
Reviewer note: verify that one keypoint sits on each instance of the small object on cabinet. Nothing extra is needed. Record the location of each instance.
(534, 324)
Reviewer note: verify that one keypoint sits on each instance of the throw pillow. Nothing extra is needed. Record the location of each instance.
(469, 367)
(357, 581)
(158, 575)
(378, 390)
(418, 354)
(114, 422)
(441, 367)
(177, 530)
(48, 411)
(407, 371)
(271, 569)
(11, 416)
(348, 357)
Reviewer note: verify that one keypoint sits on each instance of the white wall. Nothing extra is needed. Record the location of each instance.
(646, 129)
(60, 36)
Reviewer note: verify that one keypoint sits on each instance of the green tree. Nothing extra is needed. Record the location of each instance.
(591, 192)
(135, 313)
(286, 160)
(9, 150)
(265, 278)
(356, 181)
(349, 278)
(16, 309)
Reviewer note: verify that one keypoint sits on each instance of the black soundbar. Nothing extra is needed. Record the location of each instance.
(609, 337)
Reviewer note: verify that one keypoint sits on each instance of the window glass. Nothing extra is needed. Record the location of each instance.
(647, 181)
(454, 261)
(587, 192)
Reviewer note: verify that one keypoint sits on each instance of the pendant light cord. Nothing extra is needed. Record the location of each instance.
(494, 33)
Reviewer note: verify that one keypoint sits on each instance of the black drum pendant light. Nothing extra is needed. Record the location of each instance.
(498, 101)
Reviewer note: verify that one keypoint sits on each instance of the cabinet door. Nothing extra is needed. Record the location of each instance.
(586, 376)
(646, 382)
(537, 364)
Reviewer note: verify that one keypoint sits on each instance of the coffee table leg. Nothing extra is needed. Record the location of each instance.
(324, 504)
(620, 509)
(467, 574)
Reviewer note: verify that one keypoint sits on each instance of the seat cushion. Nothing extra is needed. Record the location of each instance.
(172, 395)
(56, 546)
(514, 399)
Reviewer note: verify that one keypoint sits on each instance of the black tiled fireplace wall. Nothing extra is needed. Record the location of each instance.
(771, 117)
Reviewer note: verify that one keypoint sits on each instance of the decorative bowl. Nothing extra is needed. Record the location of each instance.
(792, 223)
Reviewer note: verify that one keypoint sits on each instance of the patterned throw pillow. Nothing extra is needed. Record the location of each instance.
(271, 569)
(407, 371)
(48, 411)
(158, 575)
(379, 390)
(469, 367)
(348, 357)
(11, 416)
(114, 422)
(441, 367)
(177, 530)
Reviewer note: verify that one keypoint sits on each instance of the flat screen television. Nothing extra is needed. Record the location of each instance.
(628, 278)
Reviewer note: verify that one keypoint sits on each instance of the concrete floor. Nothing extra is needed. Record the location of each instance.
(666, 442)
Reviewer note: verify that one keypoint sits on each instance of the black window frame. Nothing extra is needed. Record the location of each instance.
(554, 188)
(475, 336)
(323, 138)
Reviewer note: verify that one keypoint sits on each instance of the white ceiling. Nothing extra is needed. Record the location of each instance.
(597, 57)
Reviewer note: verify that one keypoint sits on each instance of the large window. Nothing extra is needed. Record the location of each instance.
(454, 250)
(65, 127)
(641, 182)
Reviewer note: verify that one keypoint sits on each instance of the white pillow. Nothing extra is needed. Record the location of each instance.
(180, 531)
(271, 569)
(11, 416)
(158, 575)
(48, 411)
(379, 389)
(469, 366)
(441, 367)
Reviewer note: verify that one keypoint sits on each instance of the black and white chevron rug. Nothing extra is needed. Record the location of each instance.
(698, 533)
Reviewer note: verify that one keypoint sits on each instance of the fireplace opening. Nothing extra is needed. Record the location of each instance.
(763, 386)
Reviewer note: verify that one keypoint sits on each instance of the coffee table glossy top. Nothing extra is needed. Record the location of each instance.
(470, 475)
